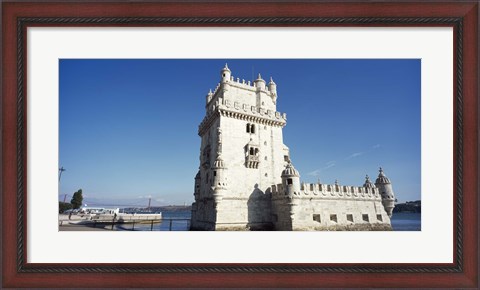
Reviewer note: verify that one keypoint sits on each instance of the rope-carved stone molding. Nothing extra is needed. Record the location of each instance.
(24, 22)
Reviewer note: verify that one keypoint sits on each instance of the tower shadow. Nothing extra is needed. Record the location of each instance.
(259, 210)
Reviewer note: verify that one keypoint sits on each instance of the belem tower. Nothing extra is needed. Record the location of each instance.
(246, 180)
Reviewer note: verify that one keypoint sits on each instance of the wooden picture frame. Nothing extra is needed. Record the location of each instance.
(18, 16)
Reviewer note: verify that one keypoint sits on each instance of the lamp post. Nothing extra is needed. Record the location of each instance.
(61, 169)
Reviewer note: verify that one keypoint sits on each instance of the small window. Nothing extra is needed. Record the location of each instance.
(266, 174)
(256, 151)
(252, 151)
(365, 217)
(289, 181)
(266, 158)
(248, 128)
(252, 129)
(316, 218)
(379, 217)
(333, 217)
(214, 173)
(350, 217)
(285, 158)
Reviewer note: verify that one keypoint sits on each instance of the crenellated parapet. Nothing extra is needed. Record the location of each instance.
(329, 191)
(244, 85)
(241, 111)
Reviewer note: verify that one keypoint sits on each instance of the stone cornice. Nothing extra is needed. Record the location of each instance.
(271, 121)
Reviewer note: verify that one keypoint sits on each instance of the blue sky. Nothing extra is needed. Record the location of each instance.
(128, 128)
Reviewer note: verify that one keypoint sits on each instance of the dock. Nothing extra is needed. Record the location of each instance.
(128, 218)
(121, 221)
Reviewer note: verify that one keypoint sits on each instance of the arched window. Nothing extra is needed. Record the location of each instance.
(248, 128)
(252, 152)
(256, 151)
(252, 129)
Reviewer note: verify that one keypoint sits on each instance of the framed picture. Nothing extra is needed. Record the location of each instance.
(440, 39)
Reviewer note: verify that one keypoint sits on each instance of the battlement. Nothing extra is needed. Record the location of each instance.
(241, 83)
(242, 111)
(318, 190)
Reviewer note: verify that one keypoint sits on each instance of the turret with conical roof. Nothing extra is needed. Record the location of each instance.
(260, 83)
(385, 188)
(272, 87)
(219, 185)
(368, 184)
(225, 74)
(209, 97)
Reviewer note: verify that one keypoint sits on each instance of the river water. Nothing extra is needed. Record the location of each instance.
(403, 221)
(180, 221)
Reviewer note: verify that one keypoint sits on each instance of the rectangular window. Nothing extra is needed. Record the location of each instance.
(333, 217)
(214, 173)
(365, 217)
(285, 158)
(316, 218)
(379, 217)
(289, 181)
(350, 217)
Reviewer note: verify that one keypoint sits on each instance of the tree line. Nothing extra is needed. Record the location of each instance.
(75, 203)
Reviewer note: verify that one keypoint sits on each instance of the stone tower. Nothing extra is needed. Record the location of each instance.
(241, 155)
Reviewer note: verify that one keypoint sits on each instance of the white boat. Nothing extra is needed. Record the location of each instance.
(109, 217)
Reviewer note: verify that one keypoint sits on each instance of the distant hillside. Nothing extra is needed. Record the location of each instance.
(172, 208)
(167, 208)
(409, 206)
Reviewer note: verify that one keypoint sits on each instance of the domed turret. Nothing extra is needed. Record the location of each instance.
(260, 83)
(209, 96)
(291, 180)
(385, 188)
(290, 171)
(368, 183)
(218, 164)
(382, 178)
(225, 74)
(219, 185)
(272, 87)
